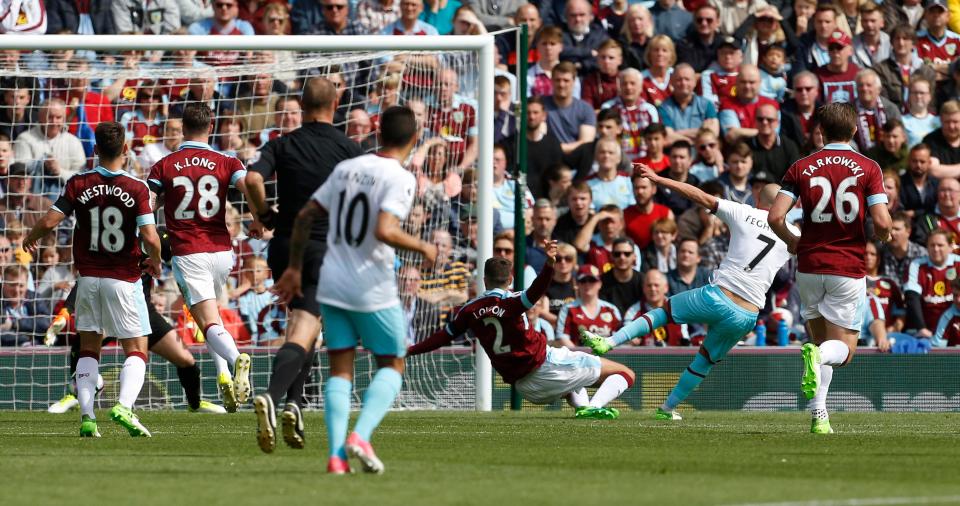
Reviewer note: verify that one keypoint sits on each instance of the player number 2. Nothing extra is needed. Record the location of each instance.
(111, 237)
(498, 346)
(846, 204)
(209, 204)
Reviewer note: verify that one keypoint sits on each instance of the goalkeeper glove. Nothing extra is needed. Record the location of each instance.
(59, 322)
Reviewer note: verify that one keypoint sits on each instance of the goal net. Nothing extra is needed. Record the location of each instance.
(54, 96)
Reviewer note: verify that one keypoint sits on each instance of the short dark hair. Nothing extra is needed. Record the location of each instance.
(197, 117)
(497, 271)
(712, 187)
(110, 137)
(622, 240)
(838, 121)
(537, 99)
(655, 128)
(741, 149)
(681, 144)
(611, 113)
(903, 217)
(891, 125)
(922, 146)
(398, 126)
(904, 31)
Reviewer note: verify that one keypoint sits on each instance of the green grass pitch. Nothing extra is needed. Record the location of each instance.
(526, 458)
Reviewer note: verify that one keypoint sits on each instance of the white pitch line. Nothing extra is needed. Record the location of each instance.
(867, 501)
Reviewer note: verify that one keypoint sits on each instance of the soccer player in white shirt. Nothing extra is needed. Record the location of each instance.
(729, 305)
(367, 198)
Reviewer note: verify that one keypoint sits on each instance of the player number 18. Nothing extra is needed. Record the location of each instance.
(105, 229)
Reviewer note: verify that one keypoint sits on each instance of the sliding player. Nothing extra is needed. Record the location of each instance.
(520, 353)
(729, 305)
(835, 186)
(111, 207)
(194, 180)
(367, 197)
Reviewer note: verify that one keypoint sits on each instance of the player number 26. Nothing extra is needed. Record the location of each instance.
(846, 204)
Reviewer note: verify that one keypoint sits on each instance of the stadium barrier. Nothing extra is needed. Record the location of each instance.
(748, 379)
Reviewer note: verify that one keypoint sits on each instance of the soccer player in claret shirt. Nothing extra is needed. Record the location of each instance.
(517, 351)
(194, 181)
(111, 208)
(367, 198)
(729, 305)
(836, 186)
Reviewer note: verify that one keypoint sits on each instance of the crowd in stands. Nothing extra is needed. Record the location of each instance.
(720, 94)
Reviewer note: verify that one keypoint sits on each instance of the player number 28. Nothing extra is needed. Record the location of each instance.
(105, 229)
(846, 204)
(209, 204)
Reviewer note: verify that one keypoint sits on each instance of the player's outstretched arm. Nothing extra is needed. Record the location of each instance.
(288, 286)
(436, 340)
(151, 243)
(390, 232)
(777, 219)
(690, 192)
(41, 229)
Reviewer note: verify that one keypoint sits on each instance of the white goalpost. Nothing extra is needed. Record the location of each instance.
(141, 80)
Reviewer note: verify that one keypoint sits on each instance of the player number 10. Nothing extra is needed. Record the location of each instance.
(843, 199)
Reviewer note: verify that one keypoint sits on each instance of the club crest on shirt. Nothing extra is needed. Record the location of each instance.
(606, 317)
(129, 93)
(951, 48)
(458, 116)
(951, 274)
(939, 288)
(884, 284)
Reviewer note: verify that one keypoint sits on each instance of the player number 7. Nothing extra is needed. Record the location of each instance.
(766, 249)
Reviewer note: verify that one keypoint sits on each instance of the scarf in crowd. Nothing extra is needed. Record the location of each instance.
(866, 135)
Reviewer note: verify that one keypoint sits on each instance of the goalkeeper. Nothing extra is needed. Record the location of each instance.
(162, 341)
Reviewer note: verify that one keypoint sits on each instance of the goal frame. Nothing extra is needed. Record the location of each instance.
(481, 45)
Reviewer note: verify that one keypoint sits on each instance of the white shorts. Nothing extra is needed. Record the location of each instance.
(202, 276)
(112, 307)
(563, 371)
(838, 299)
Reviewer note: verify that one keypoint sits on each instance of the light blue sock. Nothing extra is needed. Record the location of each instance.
(640, 326)
(377, 400)
(689, 380)
(336, 413)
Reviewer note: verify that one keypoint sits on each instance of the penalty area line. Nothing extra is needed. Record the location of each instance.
(865, 501)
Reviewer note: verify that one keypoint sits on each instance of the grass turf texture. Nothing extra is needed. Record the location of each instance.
(489, 458)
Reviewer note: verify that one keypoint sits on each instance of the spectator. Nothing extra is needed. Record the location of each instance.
(622, 284)
(580, 206)
(947, 214)
(336, 20)
(445, 282)
(582, 36)
(733, 13)
(609, 185)
(468, 196)
(886, 290)
(276, 21)
(559, 178)
(601, 85)
(736, 180)
(305, 15)
(670, 19)
(764, 32)
(873, 111)
(572, 120)
(902, 59)
(934, 44)
(596, 245)
(438, 183)
(605, 319)
(360, 129)
(838, 76)
(51, 150)
(738, 114)
(203, 88)
(680, 155)
(465, 248)
(948, 327)
(609, 126)
(171, 139)
(255, 101)
(152, 17)
(699, 46)
(496, 14)
(30, 17)
(540, 74)
(639, 217)
(408, 22)
(814, 45)
(255, 11)
(528, 14)
(927, 288)
(637, 31)
(535, 317)
(144, 124)
(718, 81)
(872, 45)
(799, 19)
(76, 94)
(56, 278)
(891, 152)
(288, 116)
(635, 113)
(918, 122)
(265, 319)
(455, 120)
(796, 113)
(684, 113)
(709, 163)
(773, 71)
(947, 89)
(421, 317)
(655, 291)
(64, 16)
(612, 16)
(896, 255)
(6, 159)
(660, 58)
(223, 22)
(654, 139)
(697, 222)
(16, 112)
(374, 15)
(661, 253)
(544, 221)
(944, 142)
(505, 188)
(543, 148)
(503, 246)
(24, 317)
(192, 11)
(562, 289)
(504, 121)
(688, 273)
(772, 152)
(455, 20)
(891, 188)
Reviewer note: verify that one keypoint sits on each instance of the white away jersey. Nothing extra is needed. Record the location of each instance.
(358, 269)
(755, 254)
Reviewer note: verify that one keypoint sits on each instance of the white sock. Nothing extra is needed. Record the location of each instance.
(222, 343)
(578, 398)
(833, 352)
(131, 380)
(818, 405)
(611, 388)
(222, 367)
(87, 373)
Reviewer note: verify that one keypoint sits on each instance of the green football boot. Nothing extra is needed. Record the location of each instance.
(598, 344)
(666, 415)
(88, 427)
(125, 418)
(811, 370)
(582, 411)
(598, 413)
(820, 426)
